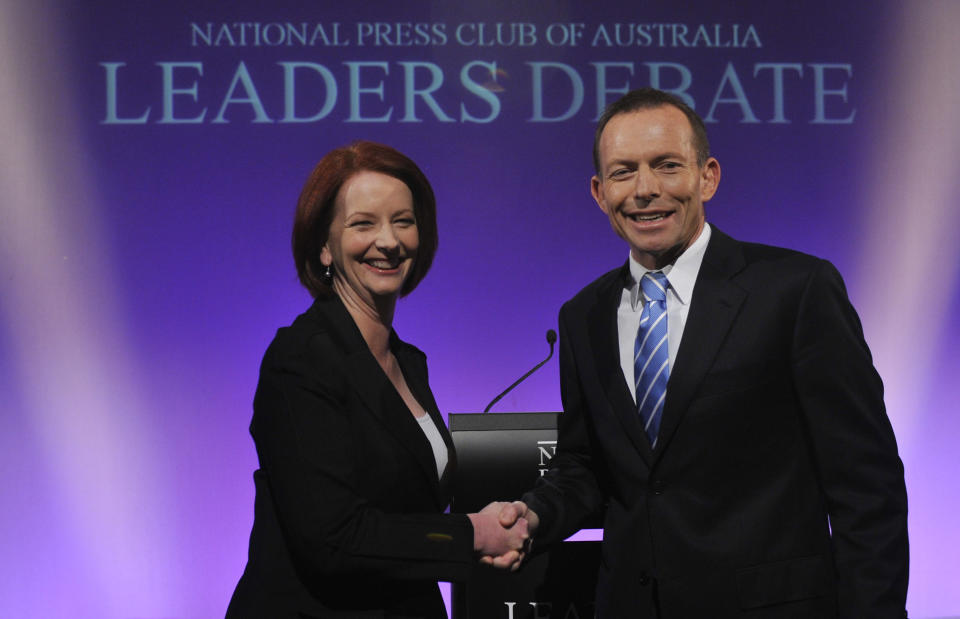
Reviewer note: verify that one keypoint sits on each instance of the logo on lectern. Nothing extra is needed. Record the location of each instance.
(544, 610)
(546, 451)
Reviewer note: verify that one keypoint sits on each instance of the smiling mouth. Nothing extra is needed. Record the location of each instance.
(384, 265)
(645, 217)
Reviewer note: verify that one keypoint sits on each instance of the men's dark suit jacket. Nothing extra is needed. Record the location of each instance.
(775, 490)
(348, 515)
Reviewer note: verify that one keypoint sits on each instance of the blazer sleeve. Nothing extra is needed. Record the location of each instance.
(570, 491)
(323, 459)
(854, 449)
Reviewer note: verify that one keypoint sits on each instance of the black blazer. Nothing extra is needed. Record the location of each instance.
(773, 423)
(348, 515)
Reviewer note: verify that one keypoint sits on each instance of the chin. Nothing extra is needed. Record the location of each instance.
(385, 291)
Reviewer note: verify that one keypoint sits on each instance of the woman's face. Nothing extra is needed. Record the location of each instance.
(373, 237)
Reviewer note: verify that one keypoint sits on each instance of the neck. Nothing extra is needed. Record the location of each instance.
(375, 320)
(659, 261)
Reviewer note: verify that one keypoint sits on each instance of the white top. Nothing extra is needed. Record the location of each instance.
(436, 442)
(681, 276)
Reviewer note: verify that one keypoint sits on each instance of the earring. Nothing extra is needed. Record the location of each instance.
(327, 276)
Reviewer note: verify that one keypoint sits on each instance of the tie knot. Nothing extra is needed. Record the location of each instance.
(654, 285)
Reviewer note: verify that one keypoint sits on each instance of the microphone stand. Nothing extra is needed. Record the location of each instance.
(551, 339)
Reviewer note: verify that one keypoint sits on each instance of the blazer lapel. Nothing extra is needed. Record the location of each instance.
(605, 341)
(377, 392)
(415, 373)
(714, 306)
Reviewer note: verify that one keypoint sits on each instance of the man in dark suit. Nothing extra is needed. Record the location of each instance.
(721, 405)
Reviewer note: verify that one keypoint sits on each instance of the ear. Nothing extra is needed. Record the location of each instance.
(709, 179)
(326, 258)
(596, 190)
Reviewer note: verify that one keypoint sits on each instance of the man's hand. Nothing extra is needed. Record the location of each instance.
(498, 544)
(508, 517)
(511, 512)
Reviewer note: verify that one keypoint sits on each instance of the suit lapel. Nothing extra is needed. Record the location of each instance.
(377, 392)
(415, 372)
(715, 303)
(604, 338)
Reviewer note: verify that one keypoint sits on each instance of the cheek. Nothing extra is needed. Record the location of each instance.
(410, 239)
(352, 244)
(615, 194)
(619, 225)
(684, 190)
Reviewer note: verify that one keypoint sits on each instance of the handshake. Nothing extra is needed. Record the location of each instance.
(502, 533)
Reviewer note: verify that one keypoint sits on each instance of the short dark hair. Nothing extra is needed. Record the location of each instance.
(315, 208)
(649, 98)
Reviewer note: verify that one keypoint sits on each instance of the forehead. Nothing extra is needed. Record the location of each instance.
(368, 190)
(655, 131)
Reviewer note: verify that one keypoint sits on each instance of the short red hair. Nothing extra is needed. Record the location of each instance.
(311, 225)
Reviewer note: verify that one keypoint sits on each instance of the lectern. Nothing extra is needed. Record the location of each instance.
(499, 457)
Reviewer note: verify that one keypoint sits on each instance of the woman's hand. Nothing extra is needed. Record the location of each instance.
(500, 534)
(494, 542)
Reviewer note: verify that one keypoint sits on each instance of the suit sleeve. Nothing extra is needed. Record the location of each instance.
(854, 448)
(312, 459)
(571, 490)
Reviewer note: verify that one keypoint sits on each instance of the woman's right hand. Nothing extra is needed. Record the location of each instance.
(498, 545)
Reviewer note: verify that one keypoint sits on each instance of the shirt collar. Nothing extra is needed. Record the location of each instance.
(682, 274)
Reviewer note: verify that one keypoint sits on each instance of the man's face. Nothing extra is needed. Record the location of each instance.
(650, 185)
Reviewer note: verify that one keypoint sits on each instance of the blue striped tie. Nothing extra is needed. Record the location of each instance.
(651, 356)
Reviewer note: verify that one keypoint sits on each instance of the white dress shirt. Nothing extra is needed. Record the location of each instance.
(436, 442)
(681, 275)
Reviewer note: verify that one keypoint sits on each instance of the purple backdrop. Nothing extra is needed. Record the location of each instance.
(152, 154)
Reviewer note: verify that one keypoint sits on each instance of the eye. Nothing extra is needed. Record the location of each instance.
(360, 223)
(620, 173)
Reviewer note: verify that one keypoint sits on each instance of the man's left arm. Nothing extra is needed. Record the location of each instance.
(854, 448)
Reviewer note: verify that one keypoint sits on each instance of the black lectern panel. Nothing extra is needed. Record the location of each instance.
(499, 457)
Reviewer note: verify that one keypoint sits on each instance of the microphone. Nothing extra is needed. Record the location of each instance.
(551, 339)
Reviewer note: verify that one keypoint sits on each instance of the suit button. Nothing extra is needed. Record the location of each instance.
(644, 579)
(658, 486)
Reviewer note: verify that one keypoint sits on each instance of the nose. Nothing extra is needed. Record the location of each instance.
(648, 185)
(387, 238)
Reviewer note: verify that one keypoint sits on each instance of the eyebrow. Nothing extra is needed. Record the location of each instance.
(411, 211)
(668, 155)
(626, 161)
